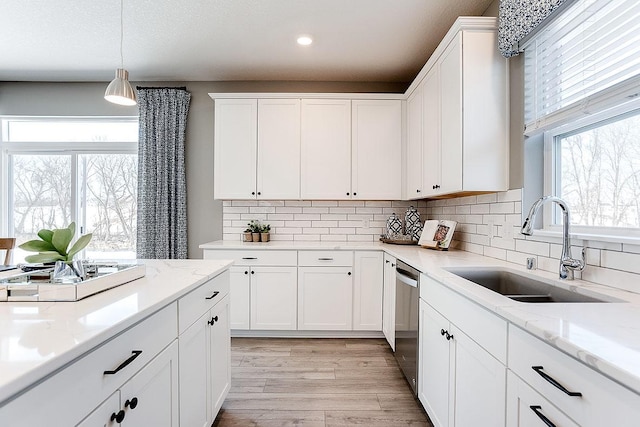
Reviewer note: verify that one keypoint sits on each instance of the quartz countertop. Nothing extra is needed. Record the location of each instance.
(604, 336)
(37, 338)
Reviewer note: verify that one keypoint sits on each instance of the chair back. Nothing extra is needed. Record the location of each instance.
(7, 244)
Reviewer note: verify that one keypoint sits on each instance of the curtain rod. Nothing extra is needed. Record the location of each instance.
(161, 87)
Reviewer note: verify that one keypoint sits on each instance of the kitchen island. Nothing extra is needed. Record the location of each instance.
(126, 328)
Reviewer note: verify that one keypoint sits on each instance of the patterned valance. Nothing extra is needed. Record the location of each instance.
(518, 18)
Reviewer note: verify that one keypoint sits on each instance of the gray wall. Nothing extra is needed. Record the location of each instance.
(86, 99)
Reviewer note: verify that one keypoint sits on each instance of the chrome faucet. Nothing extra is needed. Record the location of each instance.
(567, 264)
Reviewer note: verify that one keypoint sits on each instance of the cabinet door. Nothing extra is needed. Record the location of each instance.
(101, 416)
(151, 396)
(389, 301)
(194, 371)
(326, 149)
(434, 365)
(527, 408)
(235, 142)
(278, 173)
(480, 384)
(273, 298)
(376, 149)
(451, 118)
(367, 291)
(414, 144)
(431, 158)
(325, 298)
(219, 356)
(239, 294)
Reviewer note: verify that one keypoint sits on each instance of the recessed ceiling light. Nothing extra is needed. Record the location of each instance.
(304, 40)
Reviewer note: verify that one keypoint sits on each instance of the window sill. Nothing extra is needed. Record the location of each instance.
(581, 236)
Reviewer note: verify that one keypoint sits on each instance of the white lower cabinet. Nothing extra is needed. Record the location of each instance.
(102, 415)
(460, 383)
(220, 358)
(273, 298)
(240, 290)
(527, 408)
(151, 397)
(325, 298)
(367, 290)
(389, 300)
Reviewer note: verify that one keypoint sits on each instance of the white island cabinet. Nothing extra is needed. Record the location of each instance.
(113, 358)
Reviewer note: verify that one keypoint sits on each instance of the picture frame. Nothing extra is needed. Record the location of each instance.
(437, 234)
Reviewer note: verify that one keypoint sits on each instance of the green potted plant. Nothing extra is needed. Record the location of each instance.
(53, 245)
(247, 235)
(255, 228)
(264, 232)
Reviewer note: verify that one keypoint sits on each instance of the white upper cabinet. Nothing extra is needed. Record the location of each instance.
(278, 171)
(326, 149)
(235, 133)
(465, 115)
(414, 144)
(376, 149)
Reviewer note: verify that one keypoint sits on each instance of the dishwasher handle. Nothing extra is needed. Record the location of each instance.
(407, 280)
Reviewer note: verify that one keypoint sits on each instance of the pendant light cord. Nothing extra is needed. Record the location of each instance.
(121, 32)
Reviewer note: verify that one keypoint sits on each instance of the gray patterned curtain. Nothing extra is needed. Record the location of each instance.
(162, 195)
(518, 18)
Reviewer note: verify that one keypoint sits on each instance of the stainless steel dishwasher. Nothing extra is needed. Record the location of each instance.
(407, 306)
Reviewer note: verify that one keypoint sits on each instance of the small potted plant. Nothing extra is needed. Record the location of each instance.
(255, 228)
(264, 232)
(247, 235)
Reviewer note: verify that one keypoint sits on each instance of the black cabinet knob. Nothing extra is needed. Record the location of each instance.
(119, 417)
(131, 403)
(347, 194)
(349, 273)
(253, 193)
(417, 191)
(354, 193)
(442, 332)
(259, 193)
(213, 320)
(246, 272)
(253, 272)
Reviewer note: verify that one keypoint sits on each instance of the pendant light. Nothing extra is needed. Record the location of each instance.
(119, 90)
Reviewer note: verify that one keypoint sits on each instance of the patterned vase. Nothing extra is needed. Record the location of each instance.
(411, 217)
(416, 231)
(394, 225)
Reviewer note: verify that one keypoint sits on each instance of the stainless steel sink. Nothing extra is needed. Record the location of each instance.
(522, 288)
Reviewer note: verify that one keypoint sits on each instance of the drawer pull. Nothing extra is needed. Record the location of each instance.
(131, 403)
(213, 320)
(249, 257)
(215, 294)
(119, 417)
(325, 259)
(553, 382)
(134, 354)
(536, 410)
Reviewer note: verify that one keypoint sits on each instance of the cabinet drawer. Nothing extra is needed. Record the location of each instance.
(603, 401)
(322, 258)
(255, 257)
(484, 327)
(200, 300)
(66, 397)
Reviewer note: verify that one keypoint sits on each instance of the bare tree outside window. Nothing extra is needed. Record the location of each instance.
(600, 174)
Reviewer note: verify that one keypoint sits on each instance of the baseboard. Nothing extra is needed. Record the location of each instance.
(241, 333)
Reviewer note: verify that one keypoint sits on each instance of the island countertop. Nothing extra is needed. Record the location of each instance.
(38, 338)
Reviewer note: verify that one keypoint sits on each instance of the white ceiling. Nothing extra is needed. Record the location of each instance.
(217, 40)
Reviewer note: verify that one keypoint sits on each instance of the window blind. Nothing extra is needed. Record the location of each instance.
(585, 61)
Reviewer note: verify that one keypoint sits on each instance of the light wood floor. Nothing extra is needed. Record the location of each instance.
(317, 382)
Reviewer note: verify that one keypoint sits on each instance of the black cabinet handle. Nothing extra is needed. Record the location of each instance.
(553, 382)
(131, 403)
(347, 194)
(354, 193)
(325, 259)
(249, 257)
(449, 336)
(253, 193)
(536, 409)
(246, 272)
(386, 261)
(134, 354)
(119, 417)
(442, 332)
(393, 265)
(349, 273)
(215, 294)
(213, 320)
(253, 272)
(446, 334)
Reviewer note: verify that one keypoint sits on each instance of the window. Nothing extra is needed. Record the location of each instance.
(58, 170)
(582, 81)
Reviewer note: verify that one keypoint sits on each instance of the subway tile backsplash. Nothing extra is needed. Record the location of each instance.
(488, 225)
(318, 220)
